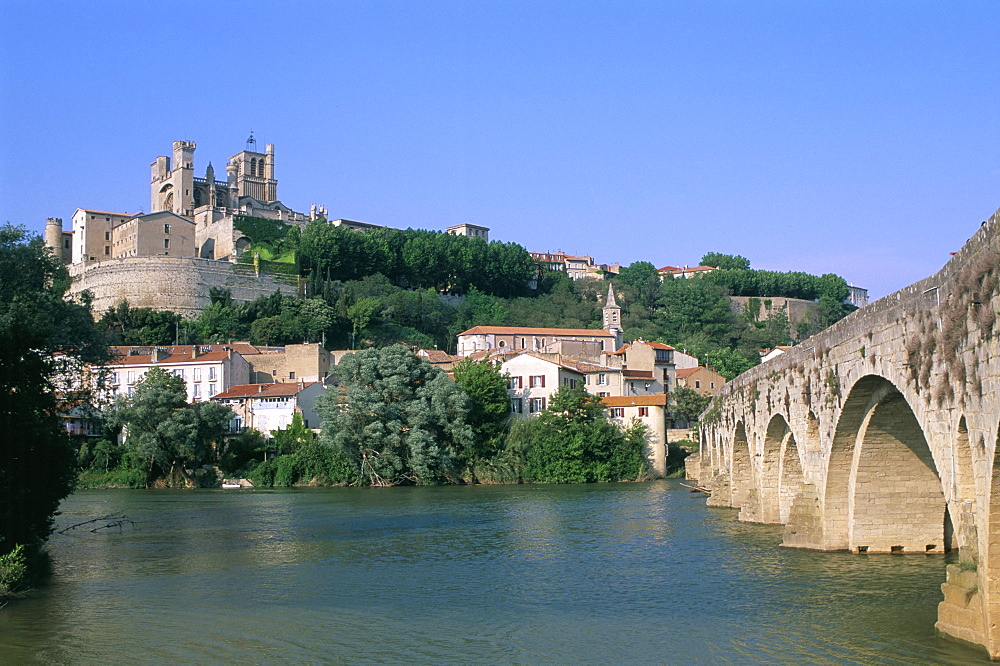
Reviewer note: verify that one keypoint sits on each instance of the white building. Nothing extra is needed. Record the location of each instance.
(270, 407)
(532, 379)
(205, 369)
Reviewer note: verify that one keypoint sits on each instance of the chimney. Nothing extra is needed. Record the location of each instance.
(194, 351)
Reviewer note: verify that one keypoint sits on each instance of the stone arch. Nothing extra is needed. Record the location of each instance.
(992, 559)
(741, 478)
(883, 492)
(775, 444)
(207, 250)
(242, 245)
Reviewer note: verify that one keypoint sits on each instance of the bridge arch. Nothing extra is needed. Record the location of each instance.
(992, 563)
(781, 471)
(742, 474)
(883, 492)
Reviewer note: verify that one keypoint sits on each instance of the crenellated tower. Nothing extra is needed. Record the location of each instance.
(172, 184)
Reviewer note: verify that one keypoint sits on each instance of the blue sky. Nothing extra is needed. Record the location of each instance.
(860, 138)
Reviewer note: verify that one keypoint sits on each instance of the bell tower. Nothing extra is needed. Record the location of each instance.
(613, 317)
(255, 172)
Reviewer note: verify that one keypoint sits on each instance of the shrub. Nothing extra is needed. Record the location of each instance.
(13, 570)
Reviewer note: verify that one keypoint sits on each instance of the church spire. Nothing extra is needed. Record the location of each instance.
(613, 317)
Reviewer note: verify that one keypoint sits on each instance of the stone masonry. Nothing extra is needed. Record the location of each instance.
(879, 435)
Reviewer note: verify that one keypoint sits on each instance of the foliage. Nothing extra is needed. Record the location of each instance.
(397, 419)
(262, 230)
(294, 436)
(13, 570)
(125, 325)
(727, 262)
(415, 259)
(489, 405)
(729, 362)
(47, 340)
(573, 442)
(164, 433)
(686, 404)
(240, 451)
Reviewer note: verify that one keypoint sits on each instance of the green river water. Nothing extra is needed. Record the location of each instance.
(597, 574)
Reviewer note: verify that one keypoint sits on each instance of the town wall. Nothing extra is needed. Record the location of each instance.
(179, 284)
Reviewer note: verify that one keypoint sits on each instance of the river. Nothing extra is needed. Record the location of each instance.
(617, 573)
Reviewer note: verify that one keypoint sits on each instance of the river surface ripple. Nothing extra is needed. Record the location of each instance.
(603, 574)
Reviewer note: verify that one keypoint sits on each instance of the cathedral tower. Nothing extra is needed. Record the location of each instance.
(172, 189)
(254, 172)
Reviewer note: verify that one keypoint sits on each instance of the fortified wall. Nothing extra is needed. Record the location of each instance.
(880, 435)
(179, 284)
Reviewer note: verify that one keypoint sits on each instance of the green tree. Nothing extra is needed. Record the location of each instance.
(728, 262)
(686, 404)
(125, 325)
(397, 419)
(489, 408)
(290, 439)
(573, 442)
(361, 314)
(47, 340)
(164, 433)
(729, 362)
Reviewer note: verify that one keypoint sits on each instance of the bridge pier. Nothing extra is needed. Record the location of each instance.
(881, 435)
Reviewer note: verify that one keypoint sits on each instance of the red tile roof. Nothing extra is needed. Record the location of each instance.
(524, 330)
(263, 390)
(659, 399)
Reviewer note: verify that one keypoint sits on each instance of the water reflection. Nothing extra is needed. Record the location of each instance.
(620, 573)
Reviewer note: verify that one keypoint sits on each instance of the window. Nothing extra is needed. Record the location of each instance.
(617, 412)
(712, 384)
(197, 374)
(211, 390)
(602, 379)
(515, 383)
(536, 405)
(166, 228)
(603, 394)
(569, 382)
(516, 406)
(107, 249)
(697, 383)
(211, 374)
(131, 391)
(291, 375)
(197, 391)
(131, 377)
(107, 235)
(536, 381)
(114, 379)
(644, 411)
(501, 344)
(166, 243)
(66, 244)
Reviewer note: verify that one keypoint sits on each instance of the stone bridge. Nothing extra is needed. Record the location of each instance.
(880, 435)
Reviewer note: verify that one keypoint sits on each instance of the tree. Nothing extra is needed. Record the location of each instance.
(46, 340)
(729, 362)
(163, 432)
(397, 419)
(686, 404)
(728, 262)
(573, 442)
(489, 408)
(290, 439)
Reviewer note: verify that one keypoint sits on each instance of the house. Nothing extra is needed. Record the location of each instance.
(767, 355)
(161, 233)
(309, 362)
(268, 407)
(533, 378)
(205, 369)
(702, 379)
(651, 411)
(684, 271)
(577, 268)
(651, 362)
(470, 230)
(524, 338)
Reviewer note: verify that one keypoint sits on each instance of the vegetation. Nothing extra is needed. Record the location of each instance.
(573, 442)
(47, 340)
(687, 404)
(164, 433)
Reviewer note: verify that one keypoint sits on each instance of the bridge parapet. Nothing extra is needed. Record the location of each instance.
(879, 434)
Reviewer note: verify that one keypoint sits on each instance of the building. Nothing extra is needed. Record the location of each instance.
(704, 380)
(162, 233)
(92, 234)
(857, 296)
(650, 363)
(684, 271)
(59, 241)
(546, 340)
(533, 378)
(309, 362)
(470, 230)
(577, 268)
(269, 407)
(205, 369)
(651, 411)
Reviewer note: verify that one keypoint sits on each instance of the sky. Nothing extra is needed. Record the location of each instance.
(857, 138)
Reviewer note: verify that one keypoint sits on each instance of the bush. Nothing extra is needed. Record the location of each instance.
(120, 477)
(13, 570)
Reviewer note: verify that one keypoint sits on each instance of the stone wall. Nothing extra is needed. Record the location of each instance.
(179, 284)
